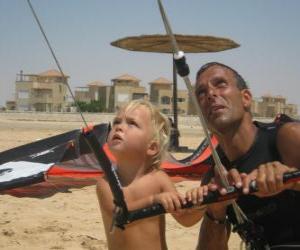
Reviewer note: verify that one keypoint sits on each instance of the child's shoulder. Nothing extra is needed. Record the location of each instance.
(159, 176)
(158, 173)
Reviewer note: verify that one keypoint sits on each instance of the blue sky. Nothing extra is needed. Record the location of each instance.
(81, 31)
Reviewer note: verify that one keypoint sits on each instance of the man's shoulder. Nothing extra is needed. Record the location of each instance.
(289, 131)
(288, 143)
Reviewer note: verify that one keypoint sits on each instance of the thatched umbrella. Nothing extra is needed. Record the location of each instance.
(162, 44)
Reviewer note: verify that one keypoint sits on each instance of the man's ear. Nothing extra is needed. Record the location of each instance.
(153, 148)
(246, 98)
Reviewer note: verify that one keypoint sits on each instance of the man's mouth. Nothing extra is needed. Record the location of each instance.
(216, 108)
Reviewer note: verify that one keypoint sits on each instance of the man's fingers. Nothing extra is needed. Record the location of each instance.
(270, 178)
(234, 178)
(261, 179)
(280, 170)
(246, 180)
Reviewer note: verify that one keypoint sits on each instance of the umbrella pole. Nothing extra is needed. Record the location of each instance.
(174, 140)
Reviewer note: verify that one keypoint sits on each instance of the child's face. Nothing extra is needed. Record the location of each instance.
(131, 133)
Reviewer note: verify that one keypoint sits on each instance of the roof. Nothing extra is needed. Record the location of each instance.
(274, 96)
(96, 83)
(161, 80)
(52, 73)
(127, 77)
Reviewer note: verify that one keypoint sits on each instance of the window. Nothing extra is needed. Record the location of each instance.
(136, 96)
(123, 97)
(23, 94)
(165, 111)
(165, 100)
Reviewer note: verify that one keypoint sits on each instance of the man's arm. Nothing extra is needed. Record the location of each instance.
(288, 143)
(269, 176)
(215, 228)
(214, 233)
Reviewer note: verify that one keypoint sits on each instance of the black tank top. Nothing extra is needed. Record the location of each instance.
(279, 215)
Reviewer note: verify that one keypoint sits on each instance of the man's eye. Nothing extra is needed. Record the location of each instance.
(221, 83)
(200, 92)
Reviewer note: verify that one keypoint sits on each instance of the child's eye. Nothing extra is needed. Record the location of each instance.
(116, 121)
(132, 122)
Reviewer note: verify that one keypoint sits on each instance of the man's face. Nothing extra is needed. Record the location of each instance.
(221, 102)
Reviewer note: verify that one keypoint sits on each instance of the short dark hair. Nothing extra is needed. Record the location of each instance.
(241, 83)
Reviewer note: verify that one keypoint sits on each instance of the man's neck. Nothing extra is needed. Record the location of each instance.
(237, 142)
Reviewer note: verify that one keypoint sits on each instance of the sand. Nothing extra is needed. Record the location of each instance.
(72, 219)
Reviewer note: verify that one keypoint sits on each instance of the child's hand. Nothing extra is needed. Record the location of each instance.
(196, 195)
(171, 201)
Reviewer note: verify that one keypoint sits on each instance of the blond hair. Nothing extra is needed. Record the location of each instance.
(160, 125)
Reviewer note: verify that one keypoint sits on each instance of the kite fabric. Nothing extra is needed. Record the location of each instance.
(65, 160)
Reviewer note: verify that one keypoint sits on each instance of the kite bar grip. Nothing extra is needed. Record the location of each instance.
(155, 209)
(211, 197)
(181, 65)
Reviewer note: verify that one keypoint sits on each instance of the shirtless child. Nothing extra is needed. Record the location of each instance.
(138, 140)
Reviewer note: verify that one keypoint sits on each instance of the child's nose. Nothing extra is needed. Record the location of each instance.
(120, 126)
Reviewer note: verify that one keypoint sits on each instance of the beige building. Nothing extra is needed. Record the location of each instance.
(161, 95)
(10, 105)
(46, 91)
(95, 91)
(124, 89)
(270, 106)
(82, 94)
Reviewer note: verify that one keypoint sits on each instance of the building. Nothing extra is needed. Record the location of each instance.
(10, 105)
(82, 94)
(46, 91)
(161, 95)
(270, 106)
(124, 89)
(95, 91)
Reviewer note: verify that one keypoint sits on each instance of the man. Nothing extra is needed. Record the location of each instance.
(253, 151)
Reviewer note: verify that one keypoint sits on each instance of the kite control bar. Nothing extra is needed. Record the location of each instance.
(212, 197)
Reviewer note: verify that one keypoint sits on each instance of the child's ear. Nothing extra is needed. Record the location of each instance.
(153, 148)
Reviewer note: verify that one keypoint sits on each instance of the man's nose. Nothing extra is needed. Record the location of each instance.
(211, 92)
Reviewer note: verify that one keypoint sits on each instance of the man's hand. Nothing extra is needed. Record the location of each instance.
(269, 179)
(233, 178)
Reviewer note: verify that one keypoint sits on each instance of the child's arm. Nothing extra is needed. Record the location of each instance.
(172, 201)
(106, 205)
(104, 195)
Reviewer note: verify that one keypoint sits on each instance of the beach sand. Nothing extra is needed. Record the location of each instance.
(72, 219)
